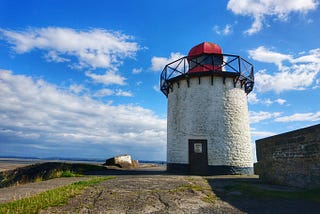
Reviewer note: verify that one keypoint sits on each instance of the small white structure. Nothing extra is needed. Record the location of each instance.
(208, 122)
(123, 161)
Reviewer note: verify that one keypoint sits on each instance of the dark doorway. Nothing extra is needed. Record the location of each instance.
(198, 157)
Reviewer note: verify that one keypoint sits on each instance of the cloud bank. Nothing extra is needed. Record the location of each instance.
(295, 73)
(93, 48)
(86, 49)
(38, 113)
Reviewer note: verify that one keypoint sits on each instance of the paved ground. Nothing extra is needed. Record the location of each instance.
(154, 191)
(147, 194)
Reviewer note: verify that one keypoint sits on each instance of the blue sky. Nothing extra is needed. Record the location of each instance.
(81, 78)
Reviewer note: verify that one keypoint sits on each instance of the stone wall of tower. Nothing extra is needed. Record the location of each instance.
(212, 110)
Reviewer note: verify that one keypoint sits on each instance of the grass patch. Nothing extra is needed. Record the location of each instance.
(188, 187)
(209, 196)
(254, 191)
(55, 197)
(69, 173)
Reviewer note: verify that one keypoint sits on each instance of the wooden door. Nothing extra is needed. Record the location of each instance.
(198, 157)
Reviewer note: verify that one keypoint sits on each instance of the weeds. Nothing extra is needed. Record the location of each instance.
(55, 197)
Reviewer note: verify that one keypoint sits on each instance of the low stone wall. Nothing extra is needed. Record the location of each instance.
(291, 158)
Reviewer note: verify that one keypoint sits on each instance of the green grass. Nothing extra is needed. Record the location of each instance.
(55, 197)
(254, 191)
(69, 173)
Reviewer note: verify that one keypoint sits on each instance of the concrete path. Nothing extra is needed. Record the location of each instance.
(26, 190)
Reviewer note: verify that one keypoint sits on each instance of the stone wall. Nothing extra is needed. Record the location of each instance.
(291, 158)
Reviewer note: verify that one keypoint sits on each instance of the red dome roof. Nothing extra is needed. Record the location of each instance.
(205, 48)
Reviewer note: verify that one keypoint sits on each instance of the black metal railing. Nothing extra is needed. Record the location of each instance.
(208, 64)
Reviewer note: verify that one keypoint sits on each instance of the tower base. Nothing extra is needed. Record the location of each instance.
(211, 170)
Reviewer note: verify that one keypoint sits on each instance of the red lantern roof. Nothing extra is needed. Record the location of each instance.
(205, 48)
(206, 56)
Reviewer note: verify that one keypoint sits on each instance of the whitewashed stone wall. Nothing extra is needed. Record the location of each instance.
(216, 112)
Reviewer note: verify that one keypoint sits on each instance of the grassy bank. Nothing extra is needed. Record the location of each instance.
(54, 197)
(45, 171)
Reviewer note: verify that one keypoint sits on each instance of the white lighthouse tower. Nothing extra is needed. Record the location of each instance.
(208, 123)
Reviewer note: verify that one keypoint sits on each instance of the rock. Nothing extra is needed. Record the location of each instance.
(135, 163)
(122, 161)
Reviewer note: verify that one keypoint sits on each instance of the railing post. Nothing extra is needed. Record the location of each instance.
(239, 64)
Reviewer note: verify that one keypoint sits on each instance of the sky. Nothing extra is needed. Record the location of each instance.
(80, 78)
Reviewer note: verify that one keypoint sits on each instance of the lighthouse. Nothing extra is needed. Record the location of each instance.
(208, 129)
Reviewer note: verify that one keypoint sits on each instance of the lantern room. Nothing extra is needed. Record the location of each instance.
(206, 56)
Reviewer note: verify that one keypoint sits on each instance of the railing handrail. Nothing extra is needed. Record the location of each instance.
(241, 68)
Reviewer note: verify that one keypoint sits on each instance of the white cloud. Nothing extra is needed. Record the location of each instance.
(298, 79)
(260, 9)
(256, 133)
(108, 92)
(280, 101)
(104, 92)
(312, 57)
(75, 88)
(225, 31)
(307, 117)
(252, 98)
(52, 117)
(52, 56)
(136, 70)
(108, 78)
(156, 88)
(122, 93)
(267, 102)
(92, 48)
(300, 73)
(317, 84)
(263, 54)
(256, 117)
(158, 63)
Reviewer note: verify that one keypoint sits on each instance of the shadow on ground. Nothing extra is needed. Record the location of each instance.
(251, 196)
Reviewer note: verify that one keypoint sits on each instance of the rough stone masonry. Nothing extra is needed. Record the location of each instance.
(291, 158)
